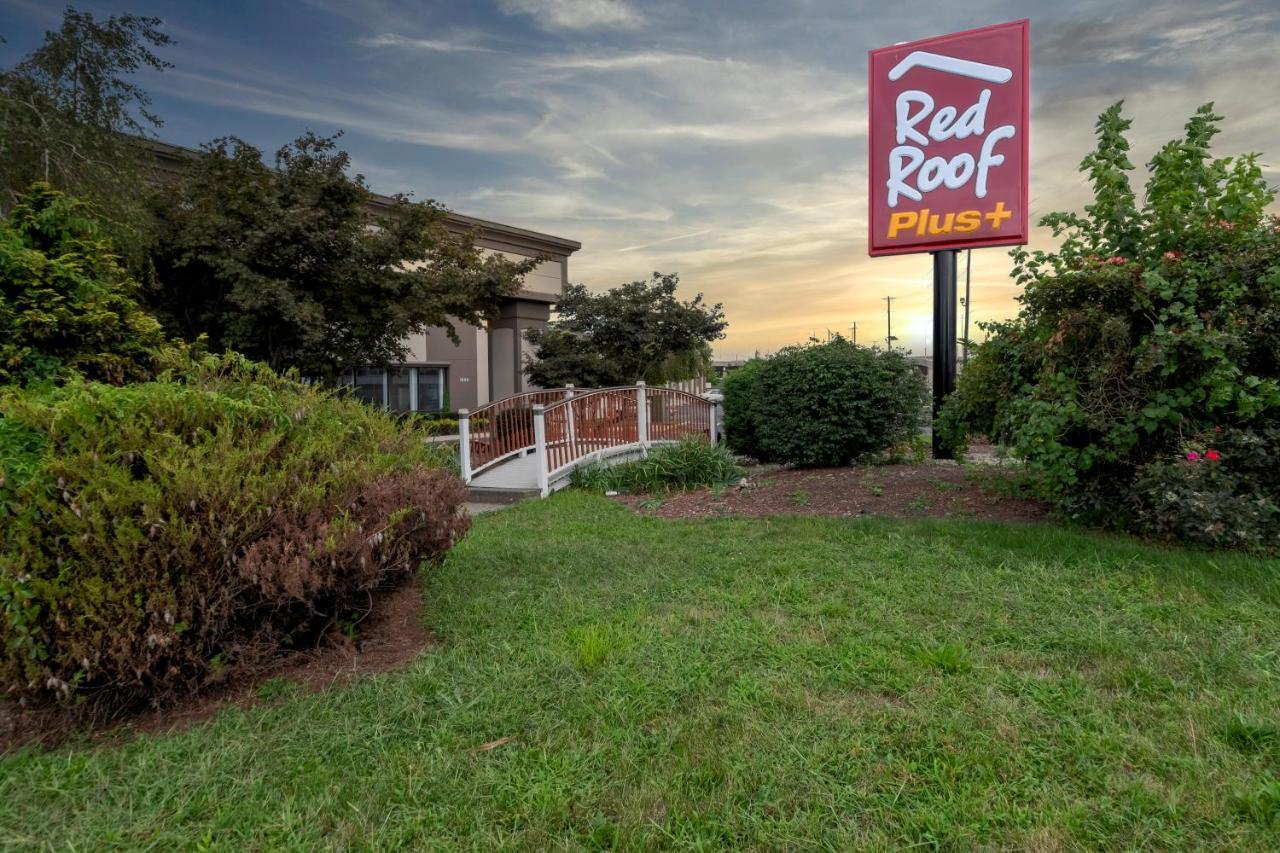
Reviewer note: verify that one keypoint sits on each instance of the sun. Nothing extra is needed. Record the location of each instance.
(919, 330)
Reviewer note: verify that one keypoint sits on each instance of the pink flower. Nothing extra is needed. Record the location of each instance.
(1192, 456)
(1213, 456)
(1172, 256)
(1116, 260)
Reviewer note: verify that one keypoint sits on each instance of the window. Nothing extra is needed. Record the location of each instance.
(369, 385)
(400, 389)
(430, 389)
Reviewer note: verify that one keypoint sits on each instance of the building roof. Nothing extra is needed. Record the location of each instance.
(497, 236)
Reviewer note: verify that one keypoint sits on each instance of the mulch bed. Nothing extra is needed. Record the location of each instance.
(389, 638)
(928, 490)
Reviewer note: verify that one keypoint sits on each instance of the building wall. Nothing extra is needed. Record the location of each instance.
(433, 348)
(546, 277)
(488, 364)
(507, 358)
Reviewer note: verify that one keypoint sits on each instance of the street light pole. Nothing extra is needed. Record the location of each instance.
(888, 307)
(854, 327)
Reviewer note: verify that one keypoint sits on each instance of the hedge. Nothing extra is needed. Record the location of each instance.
(824, 404)
(159, 536)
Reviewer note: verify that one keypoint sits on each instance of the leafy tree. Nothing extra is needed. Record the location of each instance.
(638, 331)
(70, 116)
(1150, 337)
(290, 266)
(66, 304)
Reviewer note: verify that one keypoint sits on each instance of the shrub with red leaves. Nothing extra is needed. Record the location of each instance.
(161, 536)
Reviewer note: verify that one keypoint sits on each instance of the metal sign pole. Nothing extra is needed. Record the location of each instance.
(944, 337)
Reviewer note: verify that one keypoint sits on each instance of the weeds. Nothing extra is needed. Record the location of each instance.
(687, 464)
(1249, 735)
(1263, 805)
(592, 644)
(949, 658)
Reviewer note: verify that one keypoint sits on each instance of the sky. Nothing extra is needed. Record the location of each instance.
(724, 140)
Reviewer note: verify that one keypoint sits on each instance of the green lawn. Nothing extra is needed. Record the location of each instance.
(794, 683)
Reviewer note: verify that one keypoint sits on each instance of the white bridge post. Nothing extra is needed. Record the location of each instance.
(716, 401)
(540, 447)
(464, 444)
(642, 418)
(570, 432)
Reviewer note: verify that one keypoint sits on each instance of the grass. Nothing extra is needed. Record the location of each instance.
(605, 679)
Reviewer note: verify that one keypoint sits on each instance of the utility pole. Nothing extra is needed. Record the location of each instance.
(854, 328)
(968, 268)
(888, 307)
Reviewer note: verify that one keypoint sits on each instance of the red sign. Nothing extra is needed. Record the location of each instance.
(947, 142)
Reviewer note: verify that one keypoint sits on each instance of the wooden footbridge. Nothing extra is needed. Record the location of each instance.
(533, 442)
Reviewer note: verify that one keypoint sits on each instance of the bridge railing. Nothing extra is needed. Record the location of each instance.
(498, 430)
(591, 423)
(563, 427)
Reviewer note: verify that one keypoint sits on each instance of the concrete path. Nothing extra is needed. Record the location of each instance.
(477, 508)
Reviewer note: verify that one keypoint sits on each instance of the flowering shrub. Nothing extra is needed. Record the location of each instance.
(1150, 323)
(1198, 499)
(157, 536)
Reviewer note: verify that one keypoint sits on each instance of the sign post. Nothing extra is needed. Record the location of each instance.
(944, 335)
(947, 170)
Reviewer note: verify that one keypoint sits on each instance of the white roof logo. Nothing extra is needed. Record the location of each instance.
(951, 65)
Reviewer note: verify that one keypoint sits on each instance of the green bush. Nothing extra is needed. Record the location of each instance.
(739, 422)
(989, 383)
(66, 304)
(156, 537)
(1204, 503)
(831, 403)
(686, 464)
(1148, 325)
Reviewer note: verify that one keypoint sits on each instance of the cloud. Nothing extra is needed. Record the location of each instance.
(387, 118)
(1164, 35)
(575, 14)
(664, 241)
(615, 61)
(722, 140)
(433, 45)
(541, 201)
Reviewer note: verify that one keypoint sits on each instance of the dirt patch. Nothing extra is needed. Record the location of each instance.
(928, 490)
(390, 637)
